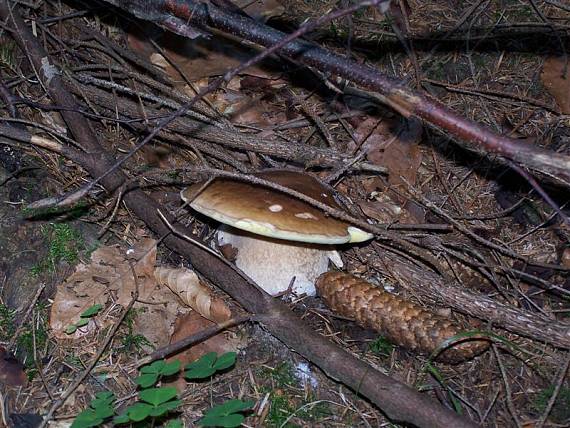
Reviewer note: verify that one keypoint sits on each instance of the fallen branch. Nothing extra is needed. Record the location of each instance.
(191, 340)
(394, 93)
(423, 282)
(397, 400)
(431, 287)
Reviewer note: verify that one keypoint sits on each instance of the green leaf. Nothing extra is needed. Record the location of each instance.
(91, 311)
(146, 380)
(170, 368)
(201, 368)
(176, 423)
(104, 412)
(151, 372)
(82, 322)
(70, 329)
(206, 360)
(97, 403)
(156, 396)
(230, 406)
(87, 418)
(226, 414)
(230, 421)
(121, 419)
(100, 409)
(199, 373)
(225, 361)
(105, 396)
(161, 409)
(155, 367)
(139, 411)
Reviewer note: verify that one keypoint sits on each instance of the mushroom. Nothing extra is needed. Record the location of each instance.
(282, 242)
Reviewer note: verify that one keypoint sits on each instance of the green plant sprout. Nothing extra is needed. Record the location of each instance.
(228, 414)
(154, 402)
(381, 346)
(65, 243)
(84, 318)
(152, 372)
(441, 379)
(209, 364)
(7, 54)
(100, 408)
(132, 341)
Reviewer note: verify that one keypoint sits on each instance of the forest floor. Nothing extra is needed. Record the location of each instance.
(497, 63)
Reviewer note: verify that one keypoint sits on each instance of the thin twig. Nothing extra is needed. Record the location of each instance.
(309, 26)
(26, 316)
(192, 339)
(508, 393)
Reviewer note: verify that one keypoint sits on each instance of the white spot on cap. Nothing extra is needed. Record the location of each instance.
(275, 208)
(306, 216)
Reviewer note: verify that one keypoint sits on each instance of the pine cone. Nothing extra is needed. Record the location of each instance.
(402, 322)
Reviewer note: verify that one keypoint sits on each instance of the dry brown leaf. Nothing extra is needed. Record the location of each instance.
(108, 275)
(394, 145)
(54, 120)
(381, 208)
(556, 79)
(155, 317)
(186, 284)
(86, 287)
(193, 323)
(241, 108)
(197, 58)
(158, 307)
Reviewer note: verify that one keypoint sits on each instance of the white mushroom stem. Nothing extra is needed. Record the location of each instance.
(273, 263)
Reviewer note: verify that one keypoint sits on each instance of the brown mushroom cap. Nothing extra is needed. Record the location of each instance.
(271, 213)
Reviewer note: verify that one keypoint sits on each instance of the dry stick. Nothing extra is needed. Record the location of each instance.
(503, 250)
(397, 400)
(192, 339)
(508, 393)
(433, 288)
(493, 95)
(393, 92)
(436, 290)
(538, 188)
(227, 138)
(26, 316)
(16, 173)
(401, 99)
(309, 26)
(59, 402)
